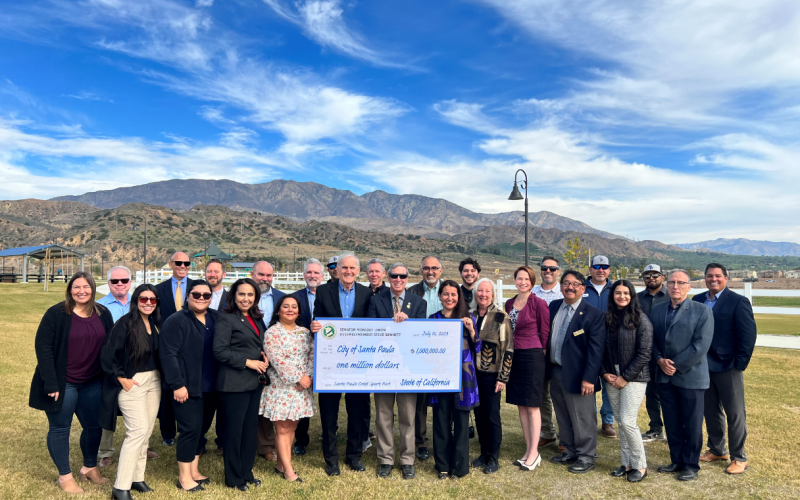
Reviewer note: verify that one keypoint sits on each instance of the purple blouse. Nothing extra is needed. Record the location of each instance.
(86, 336)
(468, 398)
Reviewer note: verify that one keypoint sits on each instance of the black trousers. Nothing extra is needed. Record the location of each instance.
(301, 437)
(653, 402)
(450, 449)
(166, 414)
(487, 416)
(357, 405)
(421, 422)
(189, 417)
(212, 404)
(683, 420)
(724, 404)
(241, 424)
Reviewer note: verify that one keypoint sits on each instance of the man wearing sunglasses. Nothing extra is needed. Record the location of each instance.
(333, 270)
(597, 290)
(655, 293)
(119, 286)
(171, 299)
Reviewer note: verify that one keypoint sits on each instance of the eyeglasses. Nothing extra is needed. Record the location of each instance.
(434, 268)
(204, 296)
(572, 284)
(552, 269)
(677, 283)
(395, 276)
(145, 300)
(184, 263)
(651, 276)
(604, 267)
(124, 281)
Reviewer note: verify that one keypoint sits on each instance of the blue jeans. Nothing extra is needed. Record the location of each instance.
(82, 400)
(606, 412)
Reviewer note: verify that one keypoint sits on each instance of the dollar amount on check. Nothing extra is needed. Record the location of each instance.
(379, 355)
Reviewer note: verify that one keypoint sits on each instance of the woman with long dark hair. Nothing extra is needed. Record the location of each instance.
(238, 348)
(289, 396)
(629, 346)
(451, 410)
(133, 382)
(68, 379)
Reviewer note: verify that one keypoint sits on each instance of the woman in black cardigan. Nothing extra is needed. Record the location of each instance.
(629, 346)
(133, 383)
(68, 379)
(238, 347)
(181, 354)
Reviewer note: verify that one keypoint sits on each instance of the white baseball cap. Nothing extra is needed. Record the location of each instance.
(600, 260)
(652, 267)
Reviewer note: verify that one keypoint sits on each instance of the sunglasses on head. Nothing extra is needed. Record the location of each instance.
(204, 296)
(184, 263)
(552, 269)
(604, 267)
(395, 276)
(145, 300)
(124, 281)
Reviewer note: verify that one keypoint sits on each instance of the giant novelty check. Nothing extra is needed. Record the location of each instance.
(379, 355)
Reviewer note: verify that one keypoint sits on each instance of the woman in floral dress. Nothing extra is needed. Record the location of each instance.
(290, 350)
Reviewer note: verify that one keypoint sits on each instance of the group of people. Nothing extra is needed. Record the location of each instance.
(186, 351)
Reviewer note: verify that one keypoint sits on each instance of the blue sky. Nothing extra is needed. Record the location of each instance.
(673, 120)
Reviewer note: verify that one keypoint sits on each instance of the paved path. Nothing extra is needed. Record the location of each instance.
(781, 341)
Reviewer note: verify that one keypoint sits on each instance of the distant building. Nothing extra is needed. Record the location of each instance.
(792, 274)
(770, 274)
(742, 274)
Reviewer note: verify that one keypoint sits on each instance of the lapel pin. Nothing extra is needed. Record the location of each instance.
(580, 313)
(408, 306)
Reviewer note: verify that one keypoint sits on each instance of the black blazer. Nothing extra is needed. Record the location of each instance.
(166, 299)
(327, 304)
(382, 306)
(305, 310)
(634, 352)
(181, 351)
(50, 343)
(116, 361)
(581, 355)
(235, 342)
(734, 332)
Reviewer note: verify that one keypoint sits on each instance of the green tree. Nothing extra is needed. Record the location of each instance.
(577, 256)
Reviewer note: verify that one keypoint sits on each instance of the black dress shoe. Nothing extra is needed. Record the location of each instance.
(564, 459)
(491, 466)
(199, 487)
(331, 470)
(203, 481)
(141, 487)
(422, 453)
(168, 442)
(254, 482)
(670, 468)
(634, 476)
(408, 471)
(241, 487)
(479, 462)
(356, 465)
(300, 450)
(581, 467)
(687, 475)
(120, 494)
(443, 475)
(619, 472)
(384, 470)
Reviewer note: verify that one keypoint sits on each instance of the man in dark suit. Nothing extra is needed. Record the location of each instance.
(682, 333)
(312, 274)
(171, 298)
(400, 305)
(730, 352)
(215, 273)
(343, 298)
(212, 403)
(572, 364)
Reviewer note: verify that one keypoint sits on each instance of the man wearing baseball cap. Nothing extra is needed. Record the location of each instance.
(654, 293)
(333, 269)
(597, 290)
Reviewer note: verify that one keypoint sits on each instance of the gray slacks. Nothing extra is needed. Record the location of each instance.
(625, 403)
(548, 422)
(724, 403)
(384, 426)
(106, 444)
(577, 419)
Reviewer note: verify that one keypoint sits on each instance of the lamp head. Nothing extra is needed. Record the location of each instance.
(515, 194)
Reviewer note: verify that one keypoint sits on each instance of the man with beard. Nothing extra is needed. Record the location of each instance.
(263, 273)
(654, 293)
(312, 274)
(470, 274)
(215, 273)
(376, 271)
(212, 404)
(428, 289)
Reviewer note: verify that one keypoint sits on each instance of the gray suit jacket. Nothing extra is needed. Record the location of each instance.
(686, 343)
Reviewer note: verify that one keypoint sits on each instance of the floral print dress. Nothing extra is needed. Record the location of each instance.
(291, 355)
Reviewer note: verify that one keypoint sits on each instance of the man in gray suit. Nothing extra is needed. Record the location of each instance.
(682, 334)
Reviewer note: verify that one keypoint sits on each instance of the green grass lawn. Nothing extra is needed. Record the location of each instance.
(773, 397)
(778, 324)
(776, 301)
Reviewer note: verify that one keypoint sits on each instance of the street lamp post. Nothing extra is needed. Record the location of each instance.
(516, 195)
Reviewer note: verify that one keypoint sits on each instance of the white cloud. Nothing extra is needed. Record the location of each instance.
(88, 96)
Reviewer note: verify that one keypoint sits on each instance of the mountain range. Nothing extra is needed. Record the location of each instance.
(743, 246)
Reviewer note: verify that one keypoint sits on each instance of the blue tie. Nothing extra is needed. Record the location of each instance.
(562, 333)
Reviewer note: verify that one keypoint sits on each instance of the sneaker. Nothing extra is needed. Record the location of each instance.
(366, 445)
(652, 435)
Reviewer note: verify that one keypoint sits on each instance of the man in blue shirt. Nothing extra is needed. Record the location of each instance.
(597, 289)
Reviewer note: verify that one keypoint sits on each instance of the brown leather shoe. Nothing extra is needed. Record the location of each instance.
(545, 441)
(710, 457)
(608, 431)
(94, 476)
(151, 454)
(736, 467)
(106, 461)
(271, 456)
(70, 486)
(562, 449)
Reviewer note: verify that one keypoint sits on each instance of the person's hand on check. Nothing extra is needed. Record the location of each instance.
(400, 317)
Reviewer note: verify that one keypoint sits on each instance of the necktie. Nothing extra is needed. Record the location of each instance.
(178, 297)
(562, 333)
(397, 305)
